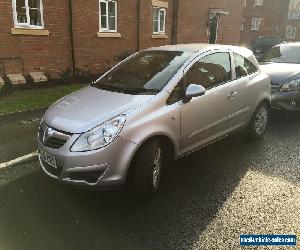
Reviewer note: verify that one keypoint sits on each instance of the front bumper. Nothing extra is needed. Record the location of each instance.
(289, 101)
(105, 167)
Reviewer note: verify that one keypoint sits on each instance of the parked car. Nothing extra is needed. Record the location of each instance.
(282, 63)
(263, 43)
(155, 106)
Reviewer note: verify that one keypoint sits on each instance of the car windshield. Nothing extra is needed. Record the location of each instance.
(282, 54)
(267, 41)
(147, 72)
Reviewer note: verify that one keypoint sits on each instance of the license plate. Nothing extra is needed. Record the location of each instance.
(49, 159)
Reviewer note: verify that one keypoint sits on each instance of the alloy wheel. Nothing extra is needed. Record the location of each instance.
(157, 162)
(261, 120)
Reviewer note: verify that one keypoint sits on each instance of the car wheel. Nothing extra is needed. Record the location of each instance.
(259, 122)
(148, 165)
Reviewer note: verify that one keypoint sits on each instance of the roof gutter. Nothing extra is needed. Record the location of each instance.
(175, 21)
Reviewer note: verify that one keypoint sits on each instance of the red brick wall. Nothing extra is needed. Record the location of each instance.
(95, 53)
(98, 53)
(146, 28)
(50, 54)
(194, 16)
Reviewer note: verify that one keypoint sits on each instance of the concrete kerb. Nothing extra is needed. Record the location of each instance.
(18, 160)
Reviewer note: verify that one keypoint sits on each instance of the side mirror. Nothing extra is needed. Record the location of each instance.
(193, 90)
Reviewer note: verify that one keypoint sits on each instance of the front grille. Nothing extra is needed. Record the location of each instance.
(55, 143)
(52, 138)
(90, 177)
(52, 170)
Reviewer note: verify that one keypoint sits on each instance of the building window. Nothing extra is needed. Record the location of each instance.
(245, 3)
(258, 2)
(294, 10)
(108, 16)
(159, 20)
(28, 13)
(290, 32)
(256, 22)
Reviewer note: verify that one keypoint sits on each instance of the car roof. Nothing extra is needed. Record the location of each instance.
(196, 47)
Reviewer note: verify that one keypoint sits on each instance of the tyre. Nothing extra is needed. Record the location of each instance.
(259, 122)
(147, 168)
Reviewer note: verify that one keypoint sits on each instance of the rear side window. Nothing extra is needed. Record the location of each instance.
(243, 66)
(210, 71)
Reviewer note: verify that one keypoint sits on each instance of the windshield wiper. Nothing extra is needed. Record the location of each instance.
(139, 90)
(108, 87)
(126, 90)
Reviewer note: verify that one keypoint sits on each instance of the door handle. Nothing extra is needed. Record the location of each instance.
(232, 94)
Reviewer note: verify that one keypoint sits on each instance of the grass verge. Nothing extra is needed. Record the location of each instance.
(22, 100)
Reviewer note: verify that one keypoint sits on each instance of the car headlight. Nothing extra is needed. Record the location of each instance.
(99, 136)
(291, 85)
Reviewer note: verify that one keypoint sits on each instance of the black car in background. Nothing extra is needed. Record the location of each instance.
(282, 63)
(263, 43)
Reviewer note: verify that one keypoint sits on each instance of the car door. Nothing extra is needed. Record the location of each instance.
(208, 117)
(245, 73)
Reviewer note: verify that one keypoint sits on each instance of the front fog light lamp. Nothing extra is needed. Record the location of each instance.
(99, 136)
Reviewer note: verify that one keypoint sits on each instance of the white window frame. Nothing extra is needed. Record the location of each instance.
(256, 23)
(163, 31)
(116, 16)
(27, 25)
(290, 32)
(258, 2)
(294, 11)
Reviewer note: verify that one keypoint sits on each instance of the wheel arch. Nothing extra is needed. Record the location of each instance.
(266, 101)
(167, 144)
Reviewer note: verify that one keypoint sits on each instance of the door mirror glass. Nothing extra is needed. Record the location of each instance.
(193, 90)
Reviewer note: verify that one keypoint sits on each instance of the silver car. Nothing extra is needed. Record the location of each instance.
(158, 105)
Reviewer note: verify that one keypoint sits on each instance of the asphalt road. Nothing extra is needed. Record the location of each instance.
(207, 200)
(18, 134)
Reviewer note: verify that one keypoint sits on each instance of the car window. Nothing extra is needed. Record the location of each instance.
(177, 93)
(243, 66)
(210, 71)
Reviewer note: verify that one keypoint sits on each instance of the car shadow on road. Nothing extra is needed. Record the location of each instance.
(38, 213)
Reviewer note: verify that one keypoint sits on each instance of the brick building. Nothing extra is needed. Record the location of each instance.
(280, 18)
(52, 36)
(292, 23)
(184, 22)
(43, 45)
(263, 18)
